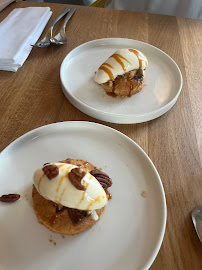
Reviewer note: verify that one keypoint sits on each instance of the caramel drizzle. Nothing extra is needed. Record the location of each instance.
(40, 180)
(94, 201)
(53, 218)
(106, 64)
(61, 165)
(140, 57)
(117, 57)
(62, 194)
(108, 71)
(61, 179)
(109, 195)
(60, 182)
(84, 193)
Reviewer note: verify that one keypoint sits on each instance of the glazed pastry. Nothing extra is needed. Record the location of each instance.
(70, 196)
(123, 73)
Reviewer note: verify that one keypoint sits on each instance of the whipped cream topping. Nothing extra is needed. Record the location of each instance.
(122, 61)
(61, 190)
(93, 214)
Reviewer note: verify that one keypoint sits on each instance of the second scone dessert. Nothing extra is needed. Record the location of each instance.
(123, 73)
(70, 196)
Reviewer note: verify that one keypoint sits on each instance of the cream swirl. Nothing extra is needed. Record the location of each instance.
(61, 190)
(122, 61)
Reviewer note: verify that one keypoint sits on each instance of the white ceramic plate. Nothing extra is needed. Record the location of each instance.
(163, 82)
(131, 230)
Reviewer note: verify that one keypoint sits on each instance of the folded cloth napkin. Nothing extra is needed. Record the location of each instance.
(21, 28)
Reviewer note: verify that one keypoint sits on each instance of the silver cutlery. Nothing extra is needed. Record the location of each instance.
(45, 42)
(197, 221)
(61, 38)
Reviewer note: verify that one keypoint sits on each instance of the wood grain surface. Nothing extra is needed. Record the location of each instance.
(32, 97)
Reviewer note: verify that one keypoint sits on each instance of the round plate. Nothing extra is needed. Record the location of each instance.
(131, 230)
(163, 82)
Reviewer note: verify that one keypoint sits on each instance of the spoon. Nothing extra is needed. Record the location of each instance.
(61, 38)
(45, 42)
(197, 221)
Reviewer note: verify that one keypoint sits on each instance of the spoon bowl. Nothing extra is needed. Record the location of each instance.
(45, 42)
(197, 221)
(59, 39)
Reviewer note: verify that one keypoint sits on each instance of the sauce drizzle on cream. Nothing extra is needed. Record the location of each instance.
(108, 71)
(140, 57)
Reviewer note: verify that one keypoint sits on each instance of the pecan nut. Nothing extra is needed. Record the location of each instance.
(51, 171)
(46, 163)
(139, 76)
(76, 176)
(76, 216)
(67, 160)
(9, 198)
(104, 179)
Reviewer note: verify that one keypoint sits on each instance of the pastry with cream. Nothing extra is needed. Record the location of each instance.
(123, 73)
(70, 196)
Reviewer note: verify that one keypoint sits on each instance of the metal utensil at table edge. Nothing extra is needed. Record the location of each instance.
(45, 42)
(197, 221)
(61, 38)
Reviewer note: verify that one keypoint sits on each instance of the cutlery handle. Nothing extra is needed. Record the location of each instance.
(60, 16)
(69, 15)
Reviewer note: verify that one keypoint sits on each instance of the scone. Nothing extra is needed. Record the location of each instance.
(70, 196)
(123, 73)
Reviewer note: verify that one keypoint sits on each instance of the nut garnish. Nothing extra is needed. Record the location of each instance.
(76, 216)
(139, 76)
(51, 171)
(76, 176)
(67, 160)
(104, 179)
(144, 194)
(9, 198)
(46, 163)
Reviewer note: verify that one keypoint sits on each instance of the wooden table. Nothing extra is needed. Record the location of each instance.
(32, 97)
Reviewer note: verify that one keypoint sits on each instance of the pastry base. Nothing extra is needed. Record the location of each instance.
(124, 85)
(45, 210)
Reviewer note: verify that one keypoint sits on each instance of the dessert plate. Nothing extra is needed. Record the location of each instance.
(163, 82)
(131, 230)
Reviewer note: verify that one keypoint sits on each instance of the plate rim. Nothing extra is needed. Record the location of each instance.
(164, 108)
(78, 123)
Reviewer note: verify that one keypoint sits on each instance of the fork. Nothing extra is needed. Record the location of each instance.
(45, 42)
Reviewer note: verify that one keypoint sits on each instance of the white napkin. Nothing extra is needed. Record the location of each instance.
(21, 28)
